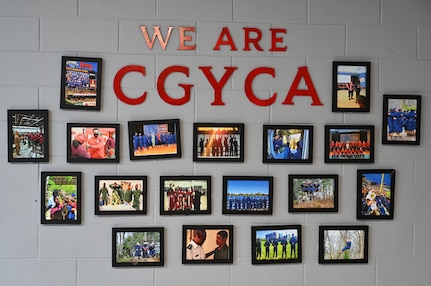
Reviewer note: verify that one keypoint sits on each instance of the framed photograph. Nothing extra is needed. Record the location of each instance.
(207, 244)
(93, 142)
(276, 244)
(154, 139)
(287, 144)
(28, 135)
(247, 195)
(81, 83)
(61, 198)
(181, 195)
(401, 119)
(351, 86)
(343, 244)
(138, 246)
(313, 193)
(375, 194)
(218, 142)
(349, 144)
(122, 195)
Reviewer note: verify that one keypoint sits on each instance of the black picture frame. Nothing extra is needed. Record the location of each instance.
(28, 135)
(154, 139)
(349, 143)
(340, 244)
(313, 193)
(401, 119)
(120, 195)
(185, 195)
(273, 244)
(61, 198)
(248, 195)
(207, 244)
(81, 83)
(83, 146)
(287, 144)
(218, 142)
(354, 77)
(375, 194)
(138, 246)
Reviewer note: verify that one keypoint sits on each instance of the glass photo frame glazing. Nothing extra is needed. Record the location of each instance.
(61, 198)
(375, 194)
(138, 246)
(81, 83)
(248, 195)
(287, 144)
(401, 119)
(207, 244)
(185, 195)
(93, 142)
(343, 244)
(218, 142)
(313, 193)
(351, 86)
(349, 143)
(120, 195)
(154, 139)
(28, 135)
(276, 244)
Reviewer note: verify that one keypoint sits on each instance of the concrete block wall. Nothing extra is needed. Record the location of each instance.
(394, 35)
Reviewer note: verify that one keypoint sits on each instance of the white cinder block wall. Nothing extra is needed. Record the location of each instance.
(394, 35)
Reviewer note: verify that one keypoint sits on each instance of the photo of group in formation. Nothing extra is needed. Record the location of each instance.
(137, 247)
(343, 244)
(313, 193)
(287, 144)
(218, 142)
(27, 135)
(185, 195)
(351, 86)
(276, 244)
(376, 189)
(402, 119)
(349, 144)
(93, 143)
(207, 244)
(247, 195)
(61, 195)
(154, 139)
(120, 195)
(81, 83)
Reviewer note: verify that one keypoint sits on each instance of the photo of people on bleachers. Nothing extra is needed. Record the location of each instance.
(81, 83)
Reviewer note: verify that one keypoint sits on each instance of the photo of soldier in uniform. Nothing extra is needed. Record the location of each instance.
(313, 193)
(120, 194)
(154, 139)
(207, 244)
(185, 195)
(247, 195)
(276, 244)
(137, 247)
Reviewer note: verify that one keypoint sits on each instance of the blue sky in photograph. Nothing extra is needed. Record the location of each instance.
(247, 186)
